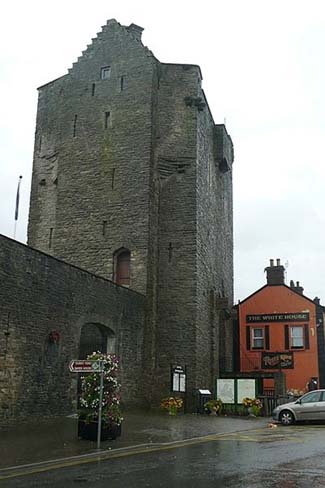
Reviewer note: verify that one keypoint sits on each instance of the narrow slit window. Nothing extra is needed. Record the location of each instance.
(122, 83)
(105, 73)
(113, 178)
(104, 227)
(93, 89)
(75, 125)
(170, 252)
(50, 237)
(107, 119)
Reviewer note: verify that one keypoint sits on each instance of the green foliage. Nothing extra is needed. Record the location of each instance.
(256, 410)
(213, 406)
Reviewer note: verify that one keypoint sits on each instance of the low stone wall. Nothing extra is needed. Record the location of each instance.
(44, 303)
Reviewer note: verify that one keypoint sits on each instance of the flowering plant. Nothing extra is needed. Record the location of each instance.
(213, 406)
(252, 402)
(295, 392)
(54, 337)
(171, 403)
(90, 391)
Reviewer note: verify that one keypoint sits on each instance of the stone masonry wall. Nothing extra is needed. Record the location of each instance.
(176, 165)
(91, 170)
(40, 294)
(150, 176)
(214, 250)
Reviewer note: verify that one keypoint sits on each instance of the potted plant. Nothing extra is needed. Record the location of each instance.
(253, 405)
(213, 406)
(171, 404)
(89, 400)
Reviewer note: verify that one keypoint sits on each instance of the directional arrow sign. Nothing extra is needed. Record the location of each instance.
(85, 366)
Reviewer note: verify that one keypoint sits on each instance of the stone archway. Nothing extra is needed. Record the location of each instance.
(96, 337)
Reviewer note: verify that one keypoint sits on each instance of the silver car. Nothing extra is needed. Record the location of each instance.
(310, 406)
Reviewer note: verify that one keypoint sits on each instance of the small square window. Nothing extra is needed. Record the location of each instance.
(105, 73)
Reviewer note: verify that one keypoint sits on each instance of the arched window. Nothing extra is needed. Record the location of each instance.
(121, 275)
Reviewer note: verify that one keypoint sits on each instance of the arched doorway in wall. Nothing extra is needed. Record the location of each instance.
(95, 337)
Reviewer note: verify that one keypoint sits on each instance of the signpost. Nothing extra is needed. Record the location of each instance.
(91, 366)
(85, 366)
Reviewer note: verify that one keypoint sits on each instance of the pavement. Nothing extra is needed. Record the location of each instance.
(56, 439)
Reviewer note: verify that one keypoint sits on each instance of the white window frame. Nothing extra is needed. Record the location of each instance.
(105, 73)
(258, 338)
(297, 340)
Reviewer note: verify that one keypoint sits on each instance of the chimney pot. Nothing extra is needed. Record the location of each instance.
(275, 274)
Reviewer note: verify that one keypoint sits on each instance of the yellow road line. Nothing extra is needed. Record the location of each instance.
(103, 456)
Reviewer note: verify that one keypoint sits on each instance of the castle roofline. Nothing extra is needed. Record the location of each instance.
(50, 82)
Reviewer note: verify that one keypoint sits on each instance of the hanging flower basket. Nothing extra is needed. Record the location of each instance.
(54, 337)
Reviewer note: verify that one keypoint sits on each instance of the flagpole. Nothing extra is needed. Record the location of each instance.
(17, 205)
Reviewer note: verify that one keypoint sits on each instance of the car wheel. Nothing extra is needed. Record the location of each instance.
(286, 417)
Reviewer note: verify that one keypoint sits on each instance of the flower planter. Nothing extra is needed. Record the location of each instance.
(100, 386)
(172, 411)
(88, 430)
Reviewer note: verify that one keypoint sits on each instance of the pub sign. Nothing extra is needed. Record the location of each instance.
(277, 360)
(278, 317)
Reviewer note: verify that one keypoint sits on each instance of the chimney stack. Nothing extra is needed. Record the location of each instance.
(275, 274)
(297, 288)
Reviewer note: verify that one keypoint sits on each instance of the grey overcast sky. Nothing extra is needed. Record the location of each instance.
(263, 71)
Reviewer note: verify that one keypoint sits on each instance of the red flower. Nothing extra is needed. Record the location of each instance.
(54, 337)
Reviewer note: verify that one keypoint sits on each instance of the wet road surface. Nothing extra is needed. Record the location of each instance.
(285, 457)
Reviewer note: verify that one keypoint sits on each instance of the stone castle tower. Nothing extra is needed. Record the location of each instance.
(132, 181)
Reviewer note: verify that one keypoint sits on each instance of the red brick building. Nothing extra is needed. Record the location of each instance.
(277, 331)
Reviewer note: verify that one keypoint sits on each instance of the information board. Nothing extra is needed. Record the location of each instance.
(245, 389)
(226, 390)
(178, 379)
